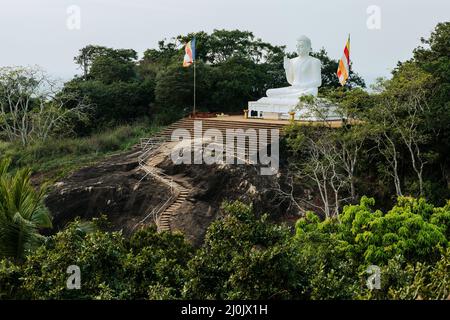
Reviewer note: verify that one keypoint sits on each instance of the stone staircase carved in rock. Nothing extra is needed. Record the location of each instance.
(156, 150)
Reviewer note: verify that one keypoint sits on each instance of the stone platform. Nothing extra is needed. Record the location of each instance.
(251, 121)
(262, 110)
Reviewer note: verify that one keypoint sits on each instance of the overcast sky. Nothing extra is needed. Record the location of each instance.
(35, 32)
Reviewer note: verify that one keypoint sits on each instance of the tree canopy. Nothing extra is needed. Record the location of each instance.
(233, 67)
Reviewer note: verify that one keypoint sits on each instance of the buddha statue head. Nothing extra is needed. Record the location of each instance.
(303, 46)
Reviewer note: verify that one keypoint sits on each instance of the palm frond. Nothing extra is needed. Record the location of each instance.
(22, 212)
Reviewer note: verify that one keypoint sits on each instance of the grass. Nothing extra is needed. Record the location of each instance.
(57, 157)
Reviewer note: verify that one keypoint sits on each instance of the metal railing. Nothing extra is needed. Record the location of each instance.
(156, 211)
(149, 147)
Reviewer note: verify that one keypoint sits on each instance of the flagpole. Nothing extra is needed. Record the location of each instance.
(349, 60)
(194, 88)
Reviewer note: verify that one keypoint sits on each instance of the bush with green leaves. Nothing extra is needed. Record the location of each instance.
(332, 275)
(409, 237)
(156, 264)
(425, 281)
(413, 229)
(111, 266)
(246, 257)
(10, 282)
(413, 281)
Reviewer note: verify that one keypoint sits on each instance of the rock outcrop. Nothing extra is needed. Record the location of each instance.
(114, 187)
(118, 188)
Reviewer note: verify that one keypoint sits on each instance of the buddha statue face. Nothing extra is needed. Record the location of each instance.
(303, 46)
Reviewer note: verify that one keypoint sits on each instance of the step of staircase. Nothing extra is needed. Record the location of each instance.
(222, 125)
(171, 211)
(165, 218)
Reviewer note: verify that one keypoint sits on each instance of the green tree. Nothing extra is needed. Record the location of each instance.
(399, 116)
(115, 103)
(22, 213)
(353, 102)
(33, 108)
(333, 275)
(407, 243)
(147, 266)
(370, 236)
(233, 67)
(157, 264)
(222, 45)
(237, 81)
(433, 56)
(114, 66)
(87, 55)
(174, 91)
(118, 89)
(105, 63)
(420, 280)
(245, 257)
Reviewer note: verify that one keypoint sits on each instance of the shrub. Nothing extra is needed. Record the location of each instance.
(245, 257)
(112, 267)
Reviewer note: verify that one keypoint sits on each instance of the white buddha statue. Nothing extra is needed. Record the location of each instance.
(304, 75)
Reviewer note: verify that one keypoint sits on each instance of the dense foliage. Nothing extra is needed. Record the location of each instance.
(148, 265)
(247, 257)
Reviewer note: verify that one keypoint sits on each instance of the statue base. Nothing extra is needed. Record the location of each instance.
(279, 109)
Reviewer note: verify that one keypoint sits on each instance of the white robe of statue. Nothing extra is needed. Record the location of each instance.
(303, 73)
(304, 76)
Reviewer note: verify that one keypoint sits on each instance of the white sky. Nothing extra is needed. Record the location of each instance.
(35, 32)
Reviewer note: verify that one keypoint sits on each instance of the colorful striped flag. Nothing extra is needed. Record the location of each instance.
(189, 56)
(343, 70)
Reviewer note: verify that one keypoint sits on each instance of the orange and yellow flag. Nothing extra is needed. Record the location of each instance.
(343, 70)
(189, 56)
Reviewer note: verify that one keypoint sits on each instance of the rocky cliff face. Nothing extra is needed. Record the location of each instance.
(112, 187)
(116, 187)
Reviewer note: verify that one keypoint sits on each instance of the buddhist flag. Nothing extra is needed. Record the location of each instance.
(343, 70)
(189, 55)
